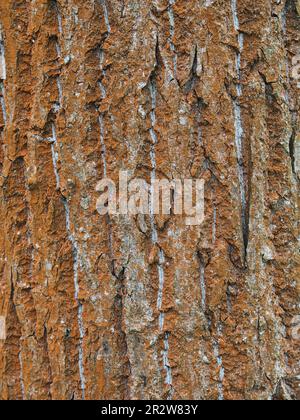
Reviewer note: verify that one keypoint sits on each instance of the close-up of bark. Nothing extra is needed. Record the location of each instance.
(146, 307)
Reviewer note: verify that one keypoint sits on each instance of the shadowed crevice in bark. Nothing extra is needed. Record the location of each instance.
(120, 327)
(11, 387)
(190, 84)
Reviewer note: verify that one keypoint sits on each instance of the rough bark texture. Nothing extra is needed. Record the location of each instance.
(85, 85)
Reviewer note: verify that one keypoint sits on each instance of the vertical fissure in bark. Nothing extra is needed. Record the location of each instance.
(101, 121)
(167, 366)
(54, 5)
(120, 278)
(102, 129)
(2, 95)
(103, 74)
(2, 125)
(161, 285)
(60, 92)
(219, 362)
(2, 56)
(190, 84)
(14, 369)
(119, 313)
(172, 35)
(58, 51)
(57, 47)
(108, 218)
(200, 107)
(202, 281)
(292, 150)
(214, 226)
(106, 15)
(55, 155)
(228, 299)
(2, 103)
(291, 103)
(46, 361)
(22, 385)
(121, 328)
(102, 143)
(76, 253)
(239, 130)
(285, 38)
(154, 231)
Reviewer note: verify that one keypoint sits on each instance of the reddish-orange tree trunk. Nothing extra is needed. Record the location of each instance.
(125, 307)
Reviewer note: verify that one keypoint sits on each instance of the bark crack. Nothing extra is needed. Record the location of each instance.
(172, 35)
(154, 230)
(239, 131)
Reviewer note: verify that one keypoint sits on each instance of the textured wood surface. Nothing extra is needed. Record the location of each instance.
(84, 83)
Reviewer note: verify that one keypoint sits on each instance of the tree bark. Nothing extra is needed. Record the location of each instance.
(97, 307)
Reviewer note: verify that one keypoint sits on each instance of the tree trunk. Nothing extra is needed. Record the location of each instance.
(146, 307)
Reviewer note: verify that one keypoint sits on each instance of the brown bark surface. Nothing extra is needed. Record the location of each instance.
(84, 86)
